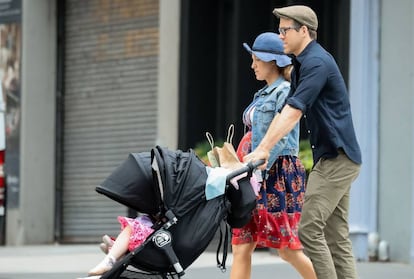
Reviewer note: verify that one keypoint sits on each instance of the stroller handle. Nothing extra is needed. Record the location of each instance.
(248, 168)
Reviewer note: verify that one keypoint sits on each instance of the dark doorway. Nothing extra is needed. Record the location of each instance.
(216, 82)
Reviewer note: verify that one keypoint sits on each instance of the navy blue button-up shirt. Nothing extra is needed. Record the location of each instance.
(319, 91)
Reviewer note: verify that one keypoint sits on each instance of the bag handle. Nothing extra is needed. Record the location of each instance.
(210, 139)
(230, 133)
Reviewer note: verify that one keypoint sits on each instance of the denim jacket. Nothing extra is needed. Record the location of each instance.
(268, 101)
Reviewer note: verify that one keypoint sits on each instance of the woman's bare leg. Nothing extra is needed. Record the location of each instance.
(299, 261)
(242, 261)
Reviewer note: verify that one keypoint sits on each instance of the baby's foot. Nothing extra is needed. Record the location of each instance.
(107, 243)
(105, 265)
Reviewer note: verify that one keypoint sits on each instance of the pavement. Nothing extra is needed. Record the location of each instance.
(72, 261)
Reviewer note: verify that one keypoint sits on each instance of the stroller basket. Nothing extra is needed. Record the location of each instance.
(169, 186)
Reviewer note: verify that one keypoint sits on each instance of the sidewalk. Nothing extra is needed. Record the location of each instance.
(71, 261)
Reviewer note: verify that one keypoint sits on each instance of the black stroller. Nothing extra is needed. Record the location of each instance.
(169, 186)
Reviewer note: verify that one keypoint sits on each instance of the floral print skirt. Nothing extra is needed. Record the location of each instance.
(275, 220)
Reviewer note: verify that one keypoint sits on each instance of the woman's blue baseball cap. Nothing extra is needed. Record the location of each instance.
(268, 47)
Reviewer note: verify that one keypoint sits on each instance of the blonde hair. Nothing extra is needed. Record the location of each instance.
(286, 72)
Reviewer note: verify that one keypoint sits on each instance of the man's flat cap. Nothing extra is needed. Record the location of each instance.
(302, 14)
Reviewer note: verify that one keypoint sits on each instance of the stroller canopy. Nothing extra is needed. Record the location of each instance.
(183, 176)
(131, 184)
(134, 183)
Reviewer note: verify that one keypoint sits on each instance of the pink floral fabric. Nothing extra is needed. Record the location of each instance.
(141, 229)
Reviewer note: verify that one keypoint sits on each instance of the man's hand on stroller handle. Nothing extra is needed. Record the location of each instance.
(258, 155)
(248, 168)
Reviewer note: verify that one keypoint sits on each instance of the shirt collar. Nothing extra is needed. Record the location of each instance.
(305, 52)
(275, 84)
(267, 89)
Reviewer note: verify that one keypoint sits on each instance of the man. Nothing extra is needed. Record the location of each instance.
(318, 93)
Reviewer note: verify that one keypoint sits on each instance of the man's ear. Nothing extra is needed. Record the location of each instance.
(304, 31)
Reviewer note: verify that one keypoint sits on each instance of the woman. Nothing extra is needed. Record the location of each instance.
(275, 220)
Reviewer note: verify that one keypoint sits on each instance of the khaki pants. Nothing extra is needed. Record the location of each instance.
(323, 229)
